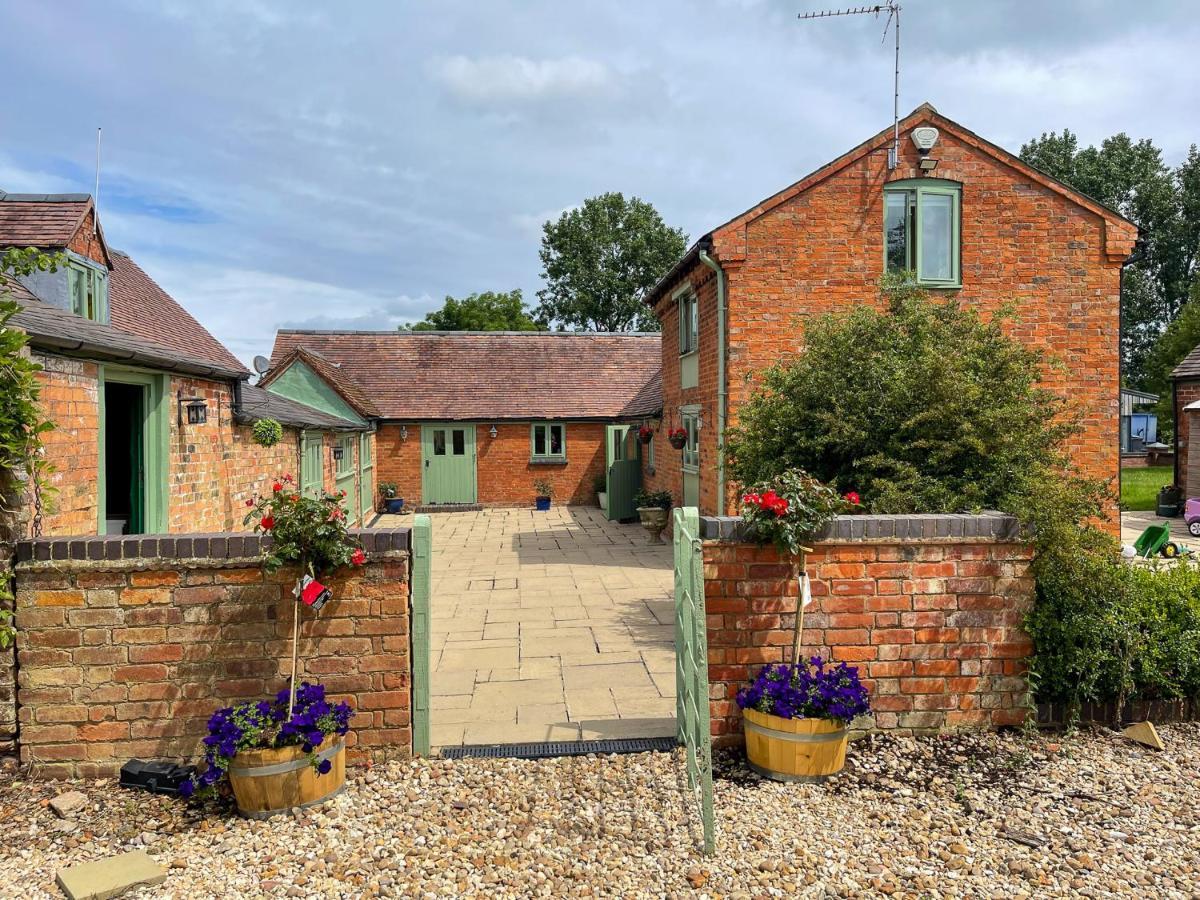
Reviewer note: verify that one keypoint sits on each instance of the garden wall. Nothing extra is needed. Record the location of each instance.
(127, 645)
(928, 607)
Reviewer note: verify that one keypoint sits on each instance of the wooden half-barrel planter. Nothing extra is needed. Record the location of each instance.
(794, 749)
(269, 782)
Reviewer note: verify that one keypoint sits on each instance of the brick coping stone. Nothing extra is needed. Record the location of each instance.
(222, 548)
(985, 526)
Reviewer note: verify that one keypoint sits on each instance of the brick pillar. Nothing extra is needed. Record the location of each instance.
(14, 518)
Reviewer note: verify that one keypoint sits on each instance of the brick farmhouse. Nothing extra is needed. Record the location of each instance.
(153, 416)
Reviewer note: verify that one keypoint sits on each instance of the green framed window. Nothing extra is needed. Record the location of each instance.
(548, 440)
(691, 450)
(87, 285)
(345, 465)
(922, 222)
(689, 323)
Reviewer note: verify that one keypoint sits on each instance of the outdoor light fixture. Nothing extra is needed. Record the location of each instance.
(492, 433)
(404, 432)
(338, 452)
(197, 409)
(928, 164)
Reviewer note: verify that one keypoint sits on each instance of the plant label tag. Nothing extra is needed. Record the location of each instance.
(805, 590)
(313, 593)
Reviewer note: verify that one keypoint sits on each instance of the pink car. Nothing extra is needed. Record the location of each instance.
(1191, 515)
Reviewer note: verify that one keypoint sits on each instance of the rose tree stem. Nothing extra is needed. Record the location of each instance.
(295, 642)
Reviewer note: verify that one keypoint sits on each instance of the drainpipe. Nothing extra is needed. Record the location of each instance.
(722, 392)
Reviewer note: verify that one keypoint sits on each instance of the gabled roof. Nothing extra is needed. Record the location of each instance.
(332, 373)
(728, 241)
(1189, 367)
(139, 306)
(260, 404)
(54, 329)
(467, 375)
(47, 221)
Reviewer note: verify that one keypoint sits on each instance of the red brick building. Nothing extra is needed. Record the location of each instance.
(1185, 397)
(476, 418)
(152, 415)
(970, 219)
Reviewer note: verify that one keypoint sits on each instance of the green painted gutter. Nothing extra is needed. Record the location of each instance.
(722, 390)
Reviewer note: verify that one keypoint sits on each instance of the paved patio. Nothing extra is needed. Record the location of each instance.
(1134, 523)
(549, 626)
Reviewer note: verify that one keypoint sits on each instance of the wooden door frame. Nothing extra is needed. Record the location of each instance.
(156, 446)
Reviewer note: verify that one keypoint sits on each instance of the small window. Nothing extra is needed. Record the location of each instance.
(549, 440)
(439, 442)
(458, 441)
(345, 465)
(921, 230)
(691, 450)
(689, 324)
(88, 287)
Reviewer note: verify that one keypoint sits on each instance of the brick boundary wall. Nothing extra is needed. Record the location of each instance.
(126, 645)
(928, 607)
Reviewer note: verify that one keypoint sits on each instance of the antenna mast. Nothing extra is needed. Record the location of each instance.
(892, 8)
(96, 195)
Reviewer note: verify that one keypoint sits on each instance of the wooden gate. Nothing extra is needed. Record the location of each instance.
(691, 667)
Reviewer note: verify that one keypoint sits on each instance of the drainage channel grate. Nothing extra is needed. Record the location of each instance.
(561, 748)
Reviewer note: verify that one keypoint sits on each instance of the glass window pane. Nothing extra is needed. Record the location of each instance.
(895, 229)
(556, 440)
(459, 438)
(693, 323)
(439, 443)
(539, 440)
(78, 290)
(937, 234)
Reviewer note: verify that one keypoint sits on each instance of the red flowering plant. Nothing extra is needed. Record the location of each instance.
(645, 434)
(306, 530)
(677, 438)
(789, 509)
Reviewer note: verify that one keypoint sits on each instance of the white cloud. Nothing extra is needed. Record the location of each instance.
(531, 223)
(500, 79)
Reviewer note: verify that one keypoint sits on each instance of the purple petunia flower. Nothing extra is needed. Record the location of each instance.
(324, 766)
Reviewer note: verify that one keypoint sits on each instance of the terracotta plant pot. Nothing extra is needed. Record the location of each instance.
(654, 520)
(269, 782)
(794, 749)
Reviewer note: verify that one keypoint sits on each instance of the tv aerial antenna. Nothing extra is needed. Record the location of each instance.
(892, 8)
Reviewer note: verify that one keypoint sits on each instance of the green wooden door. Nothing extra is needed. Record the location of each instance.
(344, 472)
(624, 472)
(448, 463)
(311, 476)
(366, 476)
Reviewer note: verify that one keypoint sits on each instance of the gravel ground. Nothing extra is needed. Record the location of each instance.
(973, 815)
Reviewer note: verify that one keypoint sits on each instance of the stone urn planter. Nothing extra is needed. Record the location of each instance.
(794, 749)
(654, 520)
(269, 782)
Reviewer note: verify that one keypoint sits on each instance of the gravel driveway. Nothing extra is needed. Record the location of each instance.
(932, 817)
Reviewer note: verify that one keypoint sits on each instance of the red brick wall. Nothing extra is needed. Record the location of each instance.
(1022, 243)
(504, 474)
(69, 392)
(85, 242)
(129, 657)
(1185, 392)
(935, 628)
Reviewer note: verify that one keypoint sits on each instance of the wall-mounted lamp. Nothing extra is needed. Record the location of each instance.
(197, 409)
(404, 432)
(492, 432)
(928, 164)
(338, 452)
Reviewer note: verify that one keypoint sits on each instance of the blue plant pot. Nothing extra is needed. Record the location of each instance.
(543, 504)
(395, 504)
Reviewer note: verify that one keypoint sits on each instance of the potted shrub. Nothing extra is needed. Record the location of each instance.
(645, 434)
(543, 491)
(677, 438)
(653, 509)
(795, 718)
(391, 503)
(601, 487)
(275, 760)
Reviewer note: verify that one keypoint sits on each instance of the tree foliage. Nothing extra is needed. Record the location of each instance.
(877, 404)
(599, 260)
(1132, 178)
(486, 311)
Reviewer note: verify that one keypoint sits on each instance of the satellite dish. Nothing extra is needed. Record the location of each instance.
(261, 364)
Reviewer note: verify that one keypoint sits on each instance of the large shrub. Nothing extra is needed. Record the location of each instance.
(920, 406)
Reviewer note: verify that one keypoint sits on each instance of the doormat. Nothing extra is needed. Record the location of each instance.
(449, 507)
(561, 748)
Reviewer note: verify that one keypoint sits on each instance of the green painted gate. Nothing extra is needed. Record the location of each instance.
(448, 463)
(691, 667)
(419, 598)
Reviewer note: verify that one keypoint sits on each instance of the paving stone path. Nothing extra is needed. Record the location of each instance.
(549, 626)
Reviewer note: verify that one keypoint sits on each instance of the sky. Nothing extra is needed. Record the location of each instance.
(316, 165)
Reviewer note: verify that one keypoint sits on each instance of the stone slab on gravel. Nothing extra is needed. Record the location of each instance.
(65, 805)
(111, 877)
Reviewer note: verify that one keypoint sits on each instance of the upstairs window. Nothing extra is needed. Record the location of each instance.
(921, 224)
(689, 324)
(549, 440)
(691, 450)
(88, 288)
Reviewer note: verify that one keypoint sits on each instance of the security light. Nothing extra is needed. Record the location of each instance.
(928, 164)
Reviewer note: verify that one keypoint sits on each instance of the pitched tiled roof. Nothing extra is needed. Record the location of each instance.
(261, 404)
(494, 375)
(55, 329)
(1189, 367)
(41, 220)
(139, 306)
(333, 374)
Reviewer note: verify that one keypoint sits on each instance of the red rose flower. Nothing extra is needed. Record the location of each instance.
(249, 502)
(277, 487)
(357, 558)
(852, 498)
(268, 522)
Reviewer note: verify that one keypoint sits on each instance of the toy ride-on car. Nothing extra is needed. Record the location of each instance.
(1156, 541)
(1191, 516)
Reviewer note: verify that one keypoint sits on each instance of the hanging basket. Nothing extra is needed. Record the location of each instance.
(645, 435)
(678, 440)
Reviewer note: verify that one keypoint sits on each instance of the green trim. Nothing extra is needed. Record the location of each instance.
(533, 454)
(422, 554)
(156, 446)
(916, 190)
(300, 383)
(690, 414)
(366, 475)
(96, 276)
(688, 307)
(312, 462)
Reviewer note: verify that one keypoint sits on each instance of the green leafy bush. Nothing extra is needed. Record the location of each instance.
(920, 406)
(653, 499)
(267, 432)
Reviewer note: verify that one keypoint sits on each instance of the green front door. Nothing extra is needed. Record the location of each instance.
(312, 476)
(448, 463)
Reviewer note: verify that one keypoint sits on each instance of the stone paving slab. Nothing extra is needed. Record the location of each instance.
(549, 626)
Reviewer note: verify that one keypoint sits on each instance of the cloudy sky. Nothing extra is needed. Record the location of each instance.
(348, 165)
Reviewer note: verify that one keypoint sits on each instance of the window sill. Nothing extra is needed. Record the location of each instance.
(548, 461)
(691, 470)
(689, 353)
